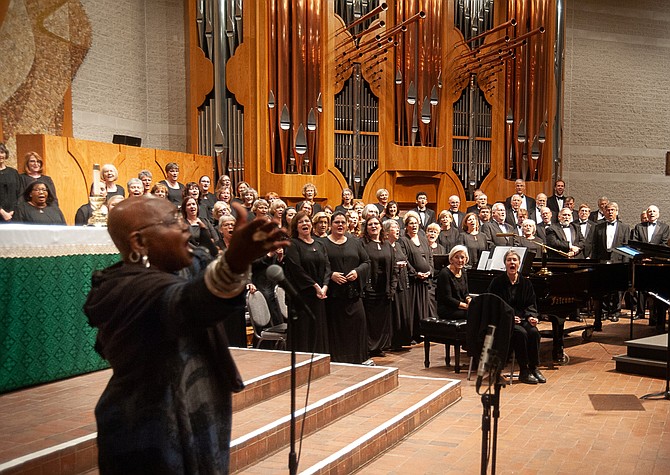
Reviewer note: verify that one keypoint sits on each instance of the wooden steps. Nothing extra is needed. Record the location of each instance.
(354, 413)
(644, 356)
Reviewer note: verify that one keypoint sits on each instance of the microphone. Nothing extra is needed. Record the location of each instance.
(276, 274)
(486, 354)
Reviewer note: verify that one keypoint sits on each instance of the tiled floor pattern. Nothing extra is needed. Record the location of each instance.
(550, 428)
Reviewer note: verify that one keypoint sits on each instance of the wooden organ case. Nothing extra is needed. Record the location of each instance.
(436, 96)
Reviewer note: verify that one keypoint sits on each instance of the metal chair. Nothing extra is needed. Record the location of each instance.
(280, 295)
(259, 314)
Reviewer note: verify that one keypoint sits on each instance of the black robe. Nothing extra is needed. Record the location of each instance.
(347, 332)
(306, 265)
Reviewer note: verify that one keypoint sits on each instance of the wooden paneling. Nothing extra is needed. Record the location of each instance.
(69, 162)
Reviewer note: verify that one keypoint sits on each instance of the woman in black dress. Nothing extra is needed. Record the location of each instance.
(453, 298)
(10, 187)
(420, 266)
(347, 201)
(450, 235)
(391, 212)
(202, 232)
(401, 318)
(37, 206)
(110, 175)
(175, 189)
(349, 263)
(308, 269)
(378, 290)
(529, 239)
(473, 239)
(33, 168)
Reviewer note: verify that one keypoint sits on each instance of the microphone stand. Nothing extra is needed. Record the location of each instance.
(292, 455)
(491, 401)
(663, 394)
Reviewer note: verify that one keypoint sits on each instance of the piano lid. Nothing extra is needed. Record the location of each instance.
(650, 251)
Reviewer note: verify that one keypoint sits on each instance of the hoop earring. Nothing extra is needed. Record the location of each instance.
(145, 261)
(134, 257)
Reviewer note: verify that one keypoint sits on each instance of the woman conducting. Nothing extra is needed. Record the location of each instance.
(167, 406)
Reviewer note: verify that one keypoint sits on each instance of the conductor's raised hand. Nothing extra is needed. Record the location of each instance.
(252, 240)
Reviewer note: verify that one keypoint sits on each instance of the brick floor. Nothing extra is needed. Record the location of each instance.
(552, 428)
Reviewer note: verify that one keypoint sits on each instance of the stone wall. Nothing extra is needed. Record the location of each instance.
(617, 103)
(132, 81)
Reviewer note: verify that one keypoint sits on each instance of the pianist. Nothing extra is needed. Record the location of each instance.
(518, 292)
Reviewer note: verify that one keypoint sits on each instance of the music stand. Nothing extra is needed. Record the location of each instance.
(663, 394)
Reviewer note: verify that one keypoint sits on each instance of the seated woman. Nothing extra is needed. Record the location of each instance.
(453, 298)
(37, 206)
(33, 171)
(518, 292)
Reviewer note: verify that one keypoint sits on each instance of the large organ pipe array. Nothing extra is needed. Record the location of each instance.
(418, 72)
(361, 56)
(294, 80)
(404, 94)
(221, 117)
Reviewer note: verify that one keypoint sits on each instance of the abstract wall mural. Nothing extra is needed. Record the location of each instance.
(43, 43)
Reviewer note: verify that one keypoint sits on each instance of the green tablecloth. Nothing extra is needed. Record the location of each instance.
(44, 334)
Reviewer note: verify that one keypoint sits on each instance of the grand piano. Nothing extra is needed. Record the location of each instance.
(650, 272)
(572, 283)
(569, 286)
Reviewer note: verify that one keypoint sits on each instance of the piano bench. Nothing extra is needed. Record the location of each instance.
(449, 332)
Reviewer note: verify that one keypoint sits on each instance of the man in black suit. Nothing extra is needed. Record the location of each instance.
(540, 202)
(609, 235)
(556, 202)
(527, 202)
(545, 222)
(570, 203)
(512, 210)
(454, 205)
(598, 216)
(565, 236)
(426, 215)
(585, 227)
(497, 225)
(480, 202)
(653, 231)
(656, 232)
